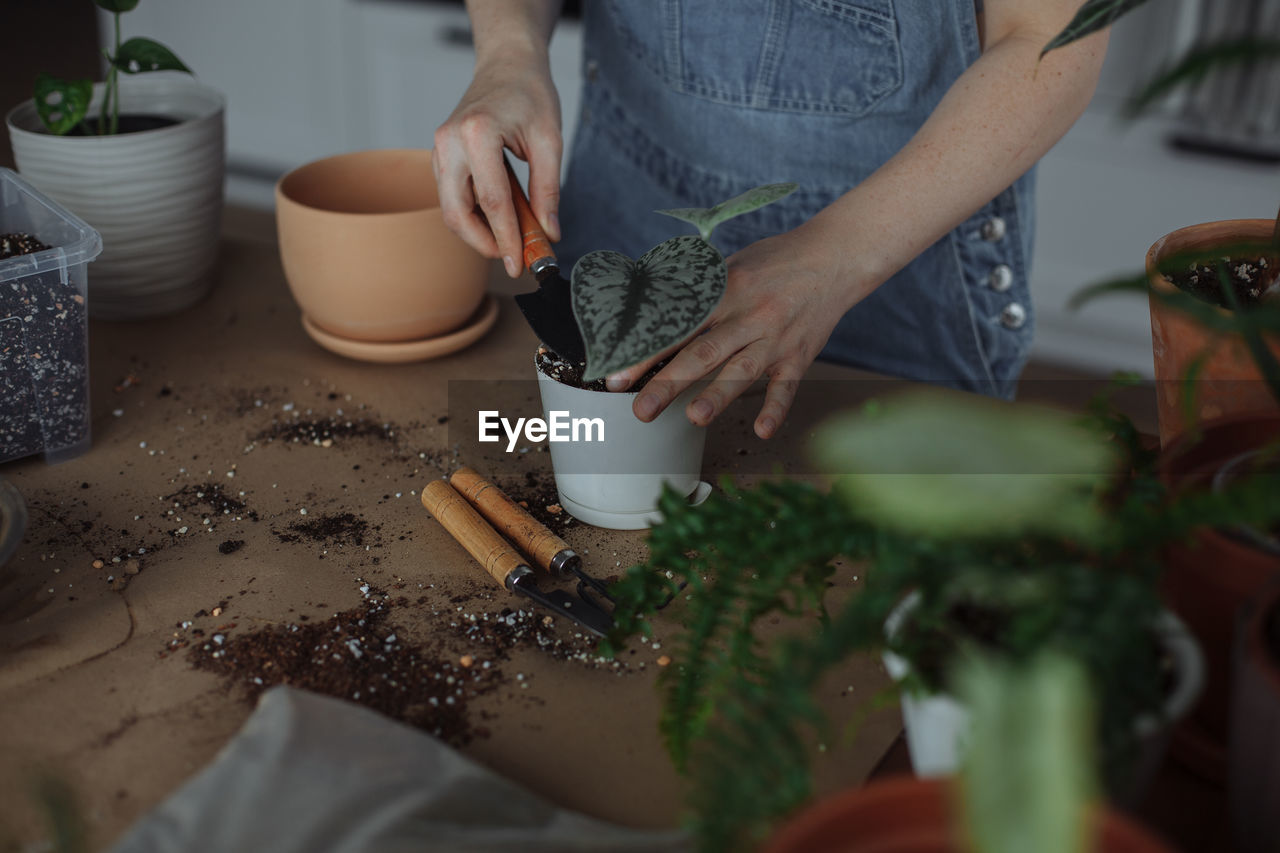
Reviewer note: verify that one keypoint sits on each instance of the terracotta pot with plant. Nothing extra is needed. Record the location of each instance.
(1029, 786)
(141, 158)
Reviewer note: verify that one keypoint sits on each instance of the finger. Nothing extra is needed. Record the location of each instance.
(624, 379)
(457, 202)
(544, 181)
(492, 190)
(702, 355)
(778, 397)
(740, 371)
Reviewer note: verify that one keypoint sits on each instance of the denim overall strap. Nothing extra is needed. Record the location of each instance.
(689, 102)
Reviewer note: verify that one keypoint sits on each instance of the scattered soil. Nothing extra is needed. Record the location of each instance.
(354, 655)
(43, 359)
(536, 493)
(343, 528)
(214, 497)
(230, 546)
(570, 373)
(1251, 279)
(327, 431)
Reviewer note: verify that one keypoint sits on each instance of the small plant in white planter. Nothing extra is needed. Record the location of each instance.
(629, 311)
(141, 158)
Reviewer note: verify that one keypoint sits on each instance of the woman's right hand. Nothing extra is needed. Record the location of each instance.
(511, 103)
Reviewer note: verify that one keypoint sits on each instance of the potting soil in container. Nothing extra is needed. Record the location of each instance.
(44, 355)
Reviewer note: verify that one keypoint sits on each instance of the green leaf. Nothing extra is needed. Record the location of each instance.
(138, 55)
(117, 5)
(629, 311)
(942, 463)
(1093, 16)
(62, 104)
(1028, 778)
(1197, 63)
(705, 219)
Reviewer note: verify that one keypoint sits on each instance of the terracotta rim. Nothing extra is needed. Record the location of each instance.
(1205, 235)
(285, 189)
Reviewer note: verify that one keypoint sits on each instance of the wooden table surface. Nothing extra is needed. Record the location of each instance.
(96, 683)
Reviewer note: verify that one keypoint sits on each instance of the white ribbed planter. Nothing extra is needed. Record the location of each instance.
(155, 196)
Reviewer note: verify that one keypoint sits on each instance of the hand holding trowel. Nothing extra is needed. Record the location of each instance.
(549, 309)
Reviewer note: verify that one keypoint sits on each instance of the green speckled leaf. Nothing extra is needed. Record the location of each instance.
(139, 54)
(629, 311)
(705, 219)
(62, 104)
(942, 463)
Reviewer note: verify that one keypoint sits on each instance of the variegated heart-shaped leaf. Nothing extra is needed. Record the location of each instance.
(705, 219)
(629, 311)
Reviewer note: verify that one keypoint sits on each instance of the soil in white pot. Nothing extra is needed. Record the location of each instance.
(132, 123)
(570, 373)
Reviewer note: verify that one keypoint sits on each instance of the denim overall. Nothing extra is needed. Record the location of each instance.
(689, 102)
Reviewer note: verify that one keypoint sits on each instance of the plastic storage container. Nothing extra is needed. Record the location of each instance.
(44, 334)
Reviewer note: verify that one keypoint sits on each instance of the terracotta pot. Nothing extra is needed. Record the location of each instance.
(366, 252)
(909, 815)
(1255, 730)
(1208, 580)
(1229, 381)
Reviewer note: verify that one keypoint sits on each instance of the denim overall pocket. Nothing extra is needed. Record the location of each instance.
(803, 56)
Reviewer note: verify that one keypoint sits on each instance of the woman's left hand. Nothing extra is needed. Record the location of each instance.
(780, 306)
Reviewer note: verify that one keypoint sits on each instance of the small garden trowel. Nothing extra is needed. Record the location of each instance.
(549, 309)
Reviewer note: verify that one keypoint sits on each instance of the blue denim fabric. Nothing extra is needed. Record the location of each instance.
(689, 102)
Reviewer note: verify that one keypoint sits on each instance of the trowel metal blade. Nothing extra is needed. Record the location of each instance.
(549, 311)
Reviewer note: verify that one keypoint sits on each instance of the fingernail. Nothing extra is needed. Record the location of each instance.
(646, 406)
(510, 264)
(767, 426)
(616, 382)
(702, 410)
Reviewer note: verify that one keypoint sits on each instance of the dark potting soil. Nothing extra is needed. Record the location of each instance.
(343, 528)
(44, 397)
(132, 123)
(570, 373)
(18, 243)
(1251, 279)
(354, 655)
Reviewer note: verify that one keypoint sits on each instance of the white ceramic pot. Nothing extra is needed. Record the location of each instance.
(155, 196)
(616, 483)
(937, 725)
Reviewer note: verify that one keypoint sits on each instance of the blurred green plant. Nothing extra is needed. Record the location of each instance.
(64, 104)
(1079, 578)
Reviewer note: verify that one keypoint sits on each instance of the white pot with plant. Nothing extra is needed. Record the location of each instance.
(938, 725)
(141, 158)
(627, 312)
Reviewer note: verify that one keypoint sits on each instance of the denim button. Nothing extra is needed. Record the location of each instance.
(593, 70)
(993, 229)
(1001, 278)
(1013, 316)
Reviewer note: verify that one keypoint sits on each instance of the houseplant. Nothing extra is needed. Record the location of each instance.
(1043, 533)
(1029, 786)
(629, 311)
(139, 156)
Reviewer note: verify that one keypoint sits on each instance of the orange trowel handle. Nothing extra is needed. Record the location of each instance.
(537, 248)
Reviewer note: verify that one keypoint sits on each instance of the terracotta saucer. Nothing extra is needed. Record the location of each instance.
(399, 352)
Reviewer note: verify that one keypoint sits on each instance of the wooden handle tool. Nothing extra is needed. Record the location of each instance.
(539, 257)
(543, 547)
(472, 532)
